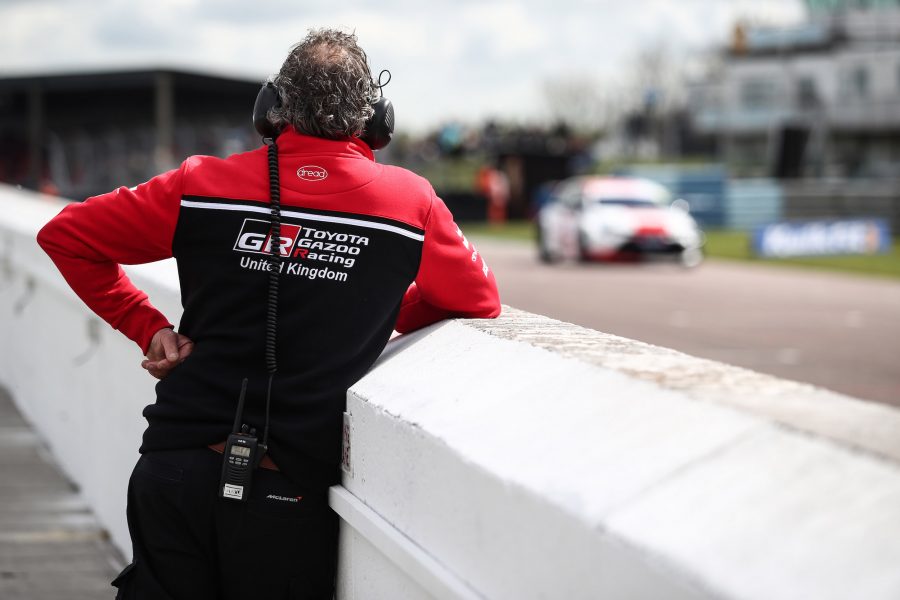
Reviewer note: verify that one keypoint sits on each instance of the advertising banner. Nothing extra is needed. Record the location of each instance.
(822, 238)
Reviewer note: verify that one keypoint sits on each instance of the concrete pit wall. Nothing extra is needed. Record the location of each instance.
(516, 458)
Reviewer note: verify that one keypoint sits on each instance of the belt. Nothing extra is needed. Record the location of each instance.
(265, 463)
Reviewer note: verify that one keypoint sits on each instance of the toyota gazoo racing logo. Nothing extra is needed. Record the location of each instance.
(312, 173)
(256, 237)
(301, 243)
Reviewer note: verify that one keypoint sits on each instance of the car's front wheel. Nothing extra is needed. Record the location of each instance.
(544, 253)
(584, 253)
(690, 257)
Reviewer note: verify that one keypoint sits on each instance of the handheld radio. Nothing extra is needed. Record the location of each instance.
(242, 453)
(243, 450)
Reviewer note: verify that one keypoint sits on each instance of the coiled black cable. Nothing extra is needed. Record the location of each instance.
(274, 273)
(275, 263)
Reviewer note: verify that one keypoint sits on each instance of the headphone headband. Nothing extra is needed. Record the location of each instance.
(377, 133)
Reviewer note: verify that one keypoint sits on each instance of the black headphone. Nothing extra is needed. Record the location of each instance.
(377, 133)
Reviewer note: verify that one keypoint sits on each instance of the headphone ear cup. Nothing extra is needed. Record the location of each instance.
(266, 99)
(380, 127)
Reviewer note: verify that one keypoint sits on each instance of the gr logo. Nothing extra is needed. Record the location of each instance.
(256, 237)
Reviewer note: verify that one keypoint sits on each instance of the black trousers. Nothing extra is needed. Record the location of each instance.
(191, 545)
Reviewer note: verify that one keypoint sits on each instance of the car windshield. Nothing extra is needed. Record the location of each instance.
(633, 202)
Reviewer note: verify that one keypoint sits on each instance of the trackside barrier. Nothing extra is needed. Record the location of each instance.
(515, 458)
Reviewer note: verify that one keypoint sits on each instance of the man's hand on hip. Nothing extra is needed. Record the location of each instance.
(167, 349)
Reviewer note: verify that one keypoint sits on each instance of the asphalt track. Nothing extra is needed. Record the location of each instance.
(841, 332)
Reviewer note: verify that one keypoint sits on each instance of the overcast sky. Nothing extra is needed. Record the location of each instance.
(450, 59)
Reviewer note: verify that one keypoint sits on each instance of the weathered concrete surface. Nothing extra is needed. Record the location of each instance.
(538, 459)
(867, 426)
(51, 546)
(834, 330)
(74, 377)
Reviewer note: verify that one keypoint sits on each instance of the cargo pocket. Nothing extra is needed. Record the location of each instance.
(135, 582)
(123, 582)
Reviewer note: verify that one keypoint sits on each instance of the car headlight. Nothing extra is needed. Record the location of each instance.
(618, 229)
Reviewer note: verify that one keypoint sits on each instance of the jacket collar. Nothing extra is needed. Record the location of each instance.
(290, 141)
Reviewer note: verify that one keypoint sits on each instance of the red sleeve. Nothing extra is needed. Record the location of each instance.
(453, 280)
(89, 241)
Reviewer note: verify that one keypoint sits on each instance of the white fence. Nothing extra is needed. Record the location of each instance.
(516, 458)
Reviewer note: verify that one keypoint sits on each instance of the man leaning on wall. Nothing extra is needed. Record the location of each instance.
(362, 249)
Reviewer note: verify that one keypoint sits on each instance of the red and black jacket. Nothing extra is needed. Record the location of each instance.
(366, 248)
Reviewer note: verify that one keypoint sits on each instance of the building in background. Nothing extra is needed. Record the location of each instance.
(78, 135)
(818, 100)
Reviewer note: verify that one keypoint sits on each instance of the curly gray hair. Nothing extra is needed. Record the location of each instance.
(326, 86)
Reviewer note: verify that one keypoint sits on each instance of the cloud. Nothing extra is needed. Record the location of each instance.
(462, 59)
(507, 29)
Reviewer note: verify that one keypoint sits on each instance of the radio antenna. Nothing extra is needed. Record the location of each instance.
(240, 408)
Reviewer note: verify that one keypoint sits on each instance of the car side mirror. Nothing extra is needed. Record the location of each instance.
(682, 205)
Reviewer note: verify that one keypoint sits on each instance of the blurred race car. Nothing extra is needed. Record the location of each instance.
(610, 218)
